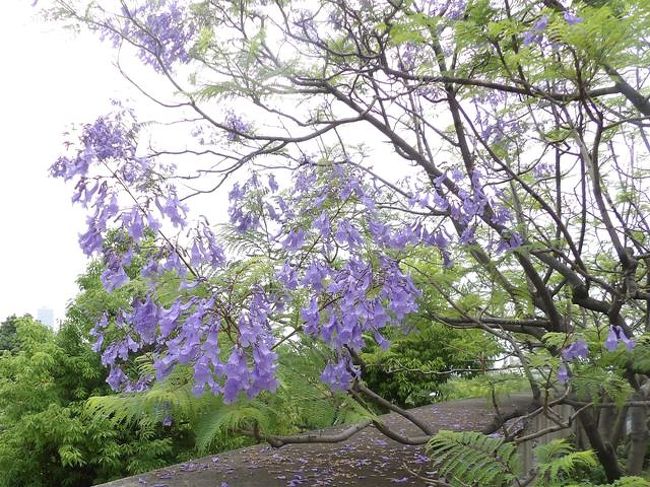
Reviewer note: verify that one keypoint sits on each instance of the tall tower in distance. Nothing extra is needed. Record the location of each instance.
(46, 316)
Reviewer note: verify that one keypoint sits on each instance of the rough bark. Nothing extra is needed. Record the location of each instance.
(638, 436)
(603, 449)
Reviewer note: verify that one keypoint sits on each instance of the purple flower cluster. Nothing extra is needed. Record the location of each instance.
(615, 336)
(236, 126)
(467, 208)
(339, 375)
(186, 331)
(160, 30)
(577, 350)
(106, 151)
(535, 35)
(345, 255)
(359, 300)
(364, 290)
(451, 9)
(571, 18)
(108, 138)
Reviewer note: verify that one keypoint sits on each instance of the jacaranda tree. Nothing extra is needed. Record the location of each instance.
(495, 152)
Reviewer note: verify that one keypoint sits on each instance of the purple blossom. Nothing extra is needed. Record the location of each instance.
(295, 240)
(305, 180)
(612, 340)
(562, 374)
(311, 315)
(535, 34)
(235, 126)
(236, 193)
(467, 236)
(196, 256)
(116, 378)
(542, 23)
(571, 18)
(577, 350)
(92, 241)
(513, 241)
(616, 335)
(273, 185)
(134, 223)
(339, 375)
(174, 264)
(288, 276)
(237, 373)
(84, 191)
(347, 233)
(263, 376)
(314, 276)
(243, 221)
(211, 249)
(173, 208)
(145, 318)
(380, 232)
(108, 138)
(168, 318)
(114, 278)
(203, 376)
(381, 341)
(502, 215)
(159, 29)
(323, 225)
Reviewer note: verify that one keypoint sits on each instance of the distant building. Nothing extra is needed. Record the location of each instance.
(46, 316)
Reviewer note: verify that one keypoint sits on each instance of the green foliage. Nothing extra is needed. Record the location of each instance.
(557, 461)
(48, 437)
(45, 436)
(469, 457)
(500, 384)
(423, 354)
(413, 371)
(640, 359)
(8, 339)
(301, 403)
(622, 482)
(556, 106)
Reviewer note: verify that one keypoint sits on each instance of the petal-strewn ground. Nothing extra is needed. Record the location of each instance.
(367, 459)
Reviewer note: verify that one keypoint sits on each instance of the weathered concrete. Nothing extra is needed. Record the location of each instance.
(368, 459)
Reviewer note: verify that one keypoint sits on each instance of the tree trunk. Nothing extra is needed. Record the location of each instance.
(607, 421)
(618, 431)
(604, 451)
(638, 436)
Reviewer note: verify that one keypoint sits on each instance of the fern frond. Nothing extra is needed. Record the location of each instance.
(174, 395)
(622, 482)
(557, 460)
(473, 458)
(228, 419)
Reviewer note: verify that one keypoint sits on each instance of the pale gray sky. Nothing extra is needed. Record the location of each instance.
(49, 79)
(52, 78)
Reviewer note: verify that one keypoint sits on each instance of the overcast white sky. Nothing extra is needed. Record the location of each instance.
(49, 78)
